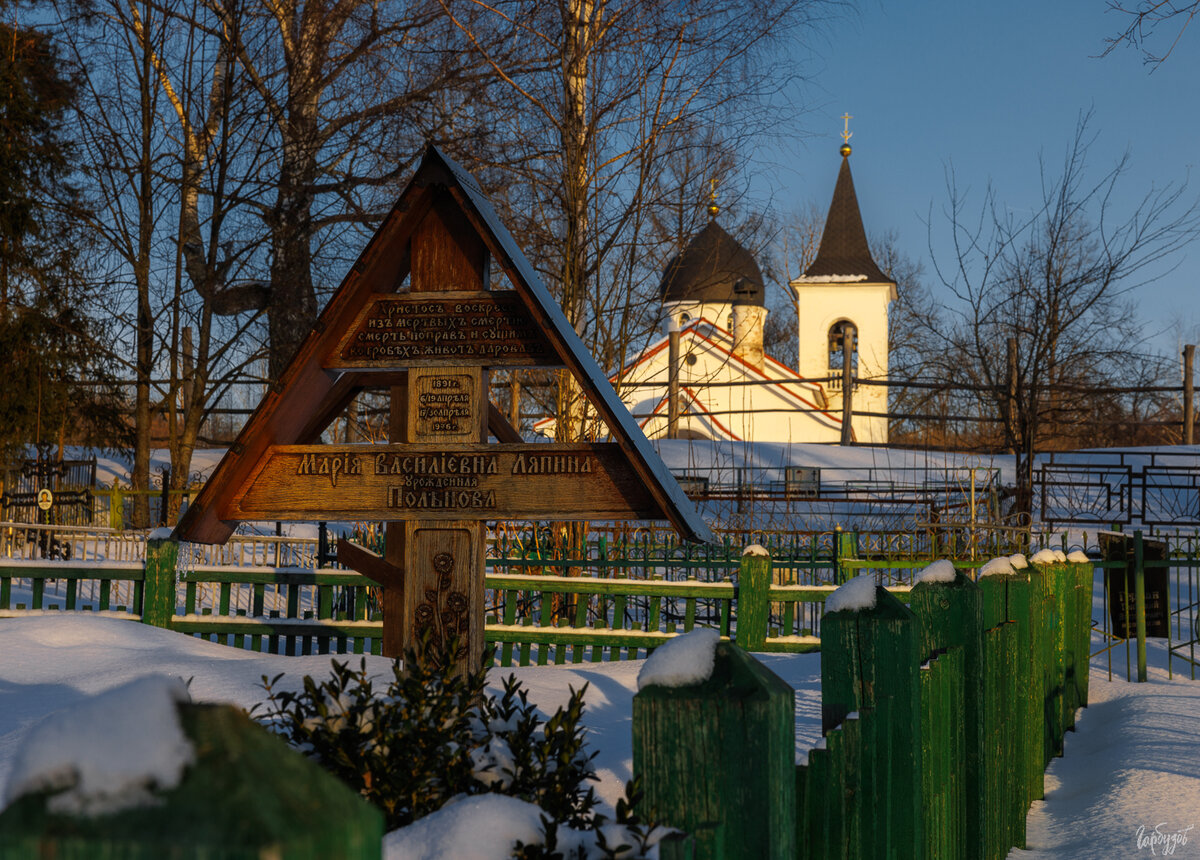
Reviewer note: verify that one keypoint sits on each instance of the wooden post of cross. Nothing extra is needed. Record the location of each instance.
(442, 587)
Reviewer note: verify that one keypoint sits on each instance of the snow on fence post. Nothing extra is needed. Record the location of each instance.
(245, 795)
(870, 664)
(158, 586)
(753, 607)
(949, 609)
(717, 758)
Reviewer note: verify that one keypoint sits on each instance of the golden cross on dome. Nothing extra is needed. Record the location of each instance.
(846, 133)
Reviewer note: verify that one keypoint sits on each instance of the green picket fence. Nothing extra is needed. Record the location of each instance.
(531, 619)
(626, 597)
(938, 719)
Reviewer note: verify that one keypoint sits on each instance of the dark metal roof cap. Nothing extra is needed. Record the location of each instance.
(844, 252)
(713, 267)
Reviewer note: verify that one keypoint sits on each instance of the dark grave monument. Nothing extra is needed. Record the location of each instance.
(1119, 547)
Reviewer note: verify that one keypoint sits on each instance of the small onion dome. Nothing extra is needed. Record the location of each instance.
(713, 268)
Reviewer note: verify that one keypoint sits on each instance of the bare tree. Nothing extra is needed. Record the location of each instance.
(1144, 17)
(235, 146)
(606, 99)
(210, 114)
(1049, 295)
(122, 144)
(349, 89)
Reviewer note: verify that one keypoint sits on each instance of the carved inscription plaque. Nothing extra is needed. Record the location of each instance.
(443, 482)
(453, 329)
(444, 405)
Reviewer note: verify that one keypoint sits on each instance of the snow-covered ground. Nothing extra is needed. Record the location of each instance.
(1132, 766)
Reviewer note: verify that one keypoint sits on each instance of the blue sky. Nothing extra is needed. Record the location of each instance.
(985, 87)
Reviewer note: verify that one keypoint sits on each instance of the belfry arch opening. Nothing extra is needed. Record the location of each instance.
(837, 333)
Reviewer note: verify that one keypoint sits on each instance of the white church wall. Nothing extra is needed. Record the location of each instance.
(775, 413)
(718, 313)
(819, 307)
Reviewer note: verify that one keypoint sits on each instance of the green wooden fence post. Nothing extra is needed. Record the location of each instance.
(717, 759)
(1065, 575)
(1020, 600)
(943, 735)
(753, 607)
(1085, 575)
(870, 664)
(1043, 655)
(845, 546)
(158, 592)
(1139, 600)
(950, 616)
(1001, 797)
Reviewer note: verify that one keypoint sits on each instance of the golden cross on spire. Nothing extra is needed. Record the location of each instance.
(846, 133)
(713, 208)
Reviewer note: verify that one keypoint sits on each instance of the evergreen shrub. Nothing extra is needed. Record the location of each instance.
(432, 734)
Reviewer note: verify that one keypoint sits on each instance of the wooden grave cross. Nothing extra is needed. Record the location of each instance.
(437, 480)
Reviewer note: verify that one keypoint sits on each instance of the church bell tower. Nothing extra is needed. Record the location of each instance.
(845, 291)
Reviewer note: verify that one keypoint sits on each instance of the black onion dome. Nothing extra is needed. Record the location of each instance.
(844, 252)
(713, 268)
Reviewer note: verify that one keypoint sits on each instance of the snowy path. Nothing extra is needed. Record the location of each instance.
(1131, 765)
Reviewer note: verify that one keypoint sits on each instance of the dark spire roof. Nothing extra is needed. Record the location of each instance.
(844, 251)
(713, 268)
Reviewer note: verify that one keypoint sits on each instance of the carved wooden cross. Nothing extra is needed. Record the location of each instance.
(437, 480)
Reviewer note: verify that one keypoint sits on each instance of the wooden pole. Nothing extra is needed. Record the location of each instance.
(514, 405)
(717, 759)
(673, 381)
(1011, 401)
(442, 560)
(1139, 600)
(870, 664)
(847, 385)
(754, 609)
(1189, 413)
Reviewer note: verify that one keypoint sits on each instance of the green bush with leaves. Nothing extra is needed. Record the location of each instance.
(432, 734)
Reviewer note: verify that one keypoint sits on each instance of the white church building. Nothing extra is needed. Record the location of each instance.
(725, 386)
